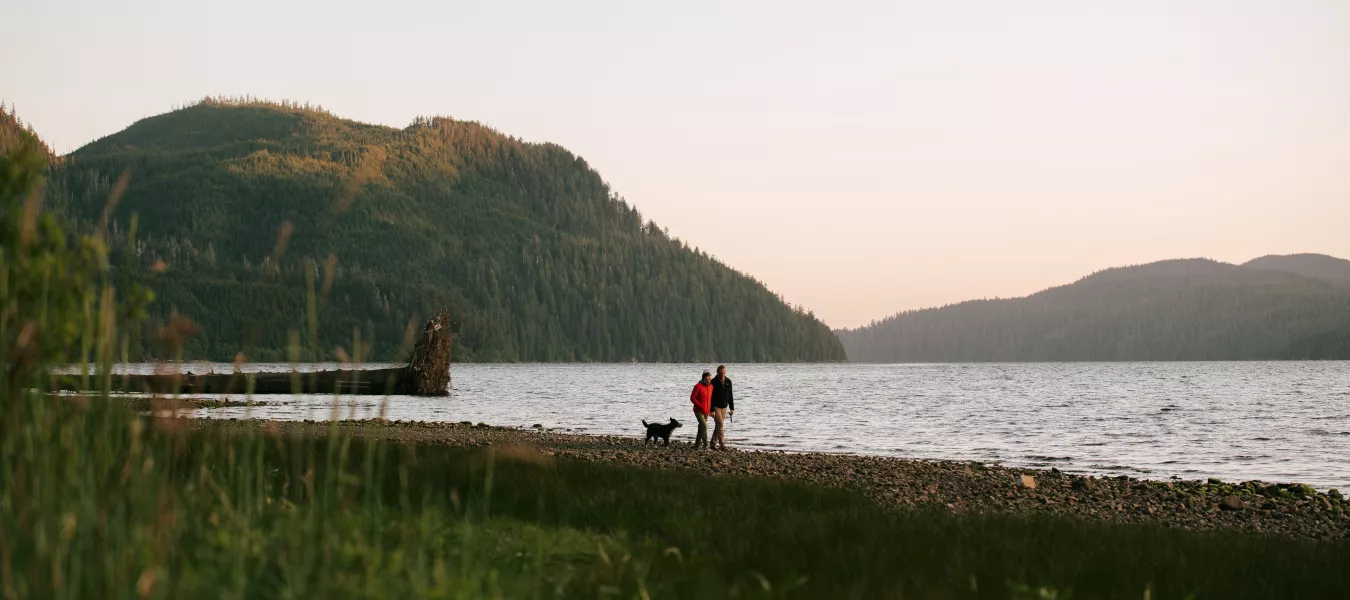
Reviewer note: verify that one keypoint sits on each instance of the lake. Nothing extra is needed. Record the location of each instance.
(1272, 421)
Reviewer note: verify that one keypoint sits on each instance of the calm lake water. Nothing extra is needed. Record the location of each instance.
(1272, 421)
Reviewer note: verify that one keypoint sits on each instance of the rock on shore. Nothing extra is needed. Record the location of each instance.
(1286, 509)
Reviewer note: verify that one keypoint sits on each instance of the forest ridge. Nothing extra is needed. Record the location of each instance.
(245, 206)
(1270, 308)
(246, 209)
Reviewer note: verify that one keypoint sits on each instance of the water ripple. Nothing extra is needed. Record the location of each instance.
(1162, 419)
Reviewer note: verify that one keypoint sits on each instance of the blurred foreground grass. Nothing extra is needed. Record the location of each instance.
(103, 503)
(99, 501)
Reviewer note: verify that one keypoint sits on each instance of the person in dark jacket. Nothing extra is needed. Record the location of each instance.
(701, 398)
(723, 405)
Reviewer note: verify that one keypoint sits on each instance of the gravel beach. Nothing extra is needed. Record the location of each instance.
(963, 487)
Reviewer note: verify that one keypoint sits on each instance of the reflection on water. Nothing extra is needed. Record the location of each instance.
(1274, 421)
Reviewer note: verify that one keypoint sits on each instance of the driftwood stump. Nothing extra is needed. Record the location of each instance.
(429, 366)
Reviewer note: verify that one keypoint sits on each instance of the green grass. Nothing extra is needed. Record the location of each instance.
(102, 503)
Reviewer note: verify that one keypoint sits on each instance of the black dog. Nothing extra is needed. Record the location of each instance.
(660, 430)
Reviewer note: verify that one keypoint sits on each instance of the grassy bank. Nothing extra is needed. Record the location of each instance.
(102, 503)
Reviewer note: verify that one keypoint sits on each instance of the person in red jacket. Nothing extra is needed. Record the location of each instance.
(701, 397)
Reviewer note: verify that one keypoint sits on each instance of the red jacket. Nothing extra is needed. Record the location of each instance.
(702, 398)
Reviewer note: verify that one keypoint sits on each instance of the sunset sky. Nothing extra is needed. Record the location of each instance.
(861, 158)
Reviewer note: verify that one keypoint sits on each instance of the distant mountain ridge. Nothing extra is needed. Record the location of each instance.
(1317, 266)
(249, 212)
(1295, 307)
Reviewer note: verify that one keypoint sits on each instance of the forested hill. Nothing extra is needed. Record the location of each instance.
(241, 204)
(1317, 266)
(1171, 310)
(13, 131)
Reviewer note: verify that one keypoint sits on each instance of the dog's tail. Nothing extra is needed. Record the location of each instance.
(644, 422)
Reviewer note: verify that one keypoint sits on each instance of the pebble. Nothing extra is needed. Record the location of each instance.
(958, 486)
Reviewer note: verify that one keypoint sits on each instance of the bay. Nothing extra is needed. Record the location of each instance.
(1270, 421)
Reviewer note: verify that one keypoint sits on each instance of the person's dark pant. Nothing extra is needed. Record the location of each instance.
(701, 440)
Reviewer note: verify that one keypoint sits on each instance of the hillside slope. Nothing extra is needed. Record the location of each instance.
(13, 132)
(1171, 310)
(244, 205)
(1316, 266)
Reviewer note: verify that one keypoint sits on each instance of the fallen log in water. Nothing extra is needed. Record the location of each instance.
(426, 374)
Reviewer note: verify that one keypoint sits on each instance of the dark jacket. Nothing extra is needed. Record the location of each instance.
(721, 393)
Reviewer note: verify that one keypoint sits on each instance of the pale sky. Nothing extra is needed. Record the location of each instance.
(861, 158)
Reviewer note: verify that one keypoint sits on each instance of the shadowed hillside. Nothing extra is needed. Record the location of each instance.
(1317, 266)
(245, 205)
(1171, 310)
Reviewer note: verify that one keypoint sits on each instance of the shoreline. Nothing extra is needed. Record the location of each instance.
(1287, 509)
